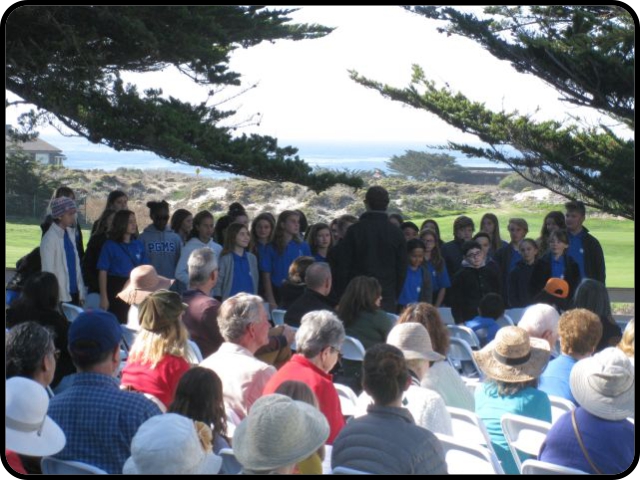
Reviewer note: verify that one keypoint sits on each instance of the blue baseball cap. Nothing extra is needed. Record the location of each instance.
(93, 333)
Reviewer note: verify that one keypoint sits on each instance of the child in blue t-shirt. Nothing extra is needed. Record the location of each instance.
(237, 267)
(491, 308)
(120, 254)
(417, 284)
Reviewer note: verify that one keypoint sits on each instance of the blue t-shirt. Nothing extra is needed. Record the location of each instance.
(70, 254)
(278, 264)
(242, 280)
(412, 286)
(576, 250)
(320, 258)
(557, 267)
(487, 323)
(439, 280)
(555, 378)
(490, 407)
(119, 258)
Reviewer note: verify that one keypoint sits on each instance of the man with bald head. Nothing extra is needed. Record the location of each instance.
(315, 297)
(541, 321)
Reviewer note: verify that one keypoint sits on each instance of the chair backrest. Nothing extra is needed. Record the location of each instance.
(71, 311)
(505, 321)
(92, 301)
(348, 399)
(559, 406)
(133, 320)
(465, 333)
(128, 337)
(468, 458)
(326, 463)
(446, 315)
(347, 471)
(461, 357)
(352, 349)
(537, 467)
(523, 434)
(393, 317)
(156, 400)
(195, 355)
(515, 314)
(277, 316)
(230, 465)
(55, 466)
(469, 427)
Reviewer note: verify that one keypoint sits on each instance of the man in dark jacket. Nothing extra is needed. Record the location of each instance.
(315, 295)
(584, 248)
(376, 248)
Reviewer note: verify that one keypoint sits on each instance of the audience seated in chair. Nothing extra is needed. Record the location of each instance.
(541, 321)
(315, 296)
(485, 325)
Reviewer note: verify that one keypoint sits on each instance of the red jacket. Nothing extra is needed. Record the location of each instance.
(302, 370)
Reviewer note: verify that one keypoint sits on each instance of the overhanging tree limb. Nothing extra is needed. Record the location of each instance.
(67, 61)
(587, 53)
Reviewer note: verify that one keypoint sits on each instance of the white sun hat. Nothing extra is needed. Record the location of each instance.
(29, 431)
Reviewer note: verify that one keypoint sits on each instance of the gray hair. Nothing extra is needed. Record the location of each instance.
(201, 263)
(237, 313)
(316, 274)
(318, 330)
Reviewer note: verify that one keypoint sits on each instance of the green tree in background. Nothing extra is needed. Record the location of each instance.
(587, 53)
(425, 166)
(68, 60)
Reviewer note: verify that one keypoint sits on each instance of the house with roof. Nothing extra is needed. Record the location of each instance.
(39, 150)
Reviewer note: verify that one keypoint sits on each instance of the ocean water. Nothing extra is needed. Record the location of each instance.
(335, 155)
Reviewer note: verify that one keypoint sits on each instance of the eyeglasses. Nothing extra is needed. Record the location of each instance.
(336, 350)
(473, 254)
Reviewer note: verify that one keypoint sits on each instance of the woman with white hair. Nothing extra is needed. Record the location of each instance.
(541, 321)
(318, 340)
(596, 437)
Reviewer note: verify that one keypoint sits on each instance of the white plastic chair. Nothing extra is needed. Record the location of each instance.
(559, 406)
(465, 333)
(230, 465)
(71, 311)
(352, 349)
(194, 353)
(347, 471)
(537, 467)
(156, 400)
(515, 314)
(505, 321)
(326, 463)
(55, 466)
(92, 301)
(459, 352)
(393, 317)
(133, 321)
(348, 399)
(466, 458)
(446, 315)
(469, 427)
(277, 316)
(523, 434)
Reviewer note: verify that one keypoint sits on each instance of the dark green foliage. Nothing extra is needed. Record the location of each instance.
(67, 61)
(425, 166)
(587, 53)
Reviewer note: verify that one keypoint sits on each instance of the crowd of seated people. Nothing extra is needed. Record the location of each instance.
(266, 392)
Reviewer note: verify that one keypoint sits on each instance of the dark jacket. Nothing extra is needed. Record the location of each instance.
(89, 263)
(594, 266)
(376, 248)
(468, 287)
(387, 441)
(309, 301)
(452, 254)
(519, 291)
(542, 272)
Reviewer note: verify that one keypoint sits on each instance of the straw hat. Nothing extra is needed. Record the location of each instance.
(278, 432)
(143, 281)
(414, 341)
(171, 444)
(161, 310)
(513, 356)
(604, 384)
(29, 431)
(557, 287)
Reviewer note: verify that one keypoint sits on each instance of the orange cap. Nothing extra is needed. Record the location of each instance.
(557, 287)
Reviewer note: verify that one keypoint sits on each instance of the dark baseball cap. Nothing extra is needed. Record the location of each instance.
(93, 333)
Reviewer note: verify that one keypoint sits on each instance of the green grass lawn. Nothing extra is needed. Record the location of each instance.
(616, 237)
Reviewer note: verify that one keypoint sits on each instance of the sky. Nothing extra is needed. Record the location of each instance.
(304, 93)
